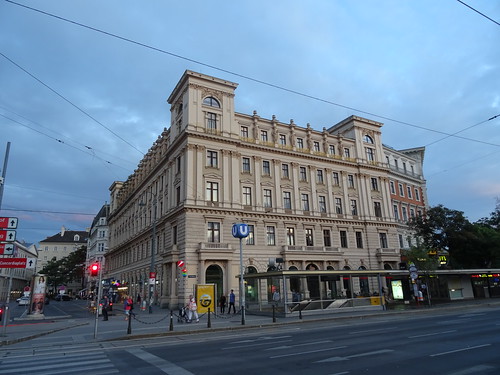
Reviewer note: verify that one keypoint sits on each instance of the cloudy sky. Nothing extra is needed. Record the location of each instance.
(84, 84)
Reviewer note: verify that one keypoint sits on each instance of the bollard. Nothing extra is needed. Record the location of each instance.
(274, 314)
(171, 328)
(300, 311)
(209, 322)
(129, 329)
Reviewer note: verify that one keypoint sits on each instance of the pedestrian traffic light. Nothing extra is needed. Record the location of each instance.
(94, 269)
(184, 272)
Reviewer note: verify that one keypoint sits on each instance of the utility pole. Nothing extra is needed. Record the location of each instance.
(4, 172)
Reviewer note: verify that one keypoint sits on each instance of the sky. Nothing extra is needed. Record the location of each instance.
(84, 88)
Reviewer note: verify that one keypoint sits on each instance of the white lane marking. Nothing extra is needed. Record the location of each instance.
(256, 344)
(337, 359)
(460, 350)
(160, 363)
(371, 330)
(308, 352)
(431, 334)
(341, 373)
(294, 346)
(261, 338)
(473, 370)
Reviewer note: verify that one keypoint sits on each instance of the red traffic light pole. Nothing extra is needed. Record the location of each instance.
(96, 270)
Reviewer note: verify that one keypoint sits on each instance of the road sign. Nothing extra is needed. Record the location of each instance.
(6, 249)
(7, 235)
(30, 263)
(13, 262)
(8, 222)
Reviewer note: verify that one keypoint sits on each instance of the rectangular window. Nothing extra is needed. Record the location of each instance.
(266, 168)
(354, 207)
(370, 154)
(290, 236)
(174, 235)
(270, 236)
(338, 205)
(412, 213)
(302, 174)
(322, 204)
(244, 131)
(374, 181)
(211, 121)
(359, 240)
(246, 165)
(396, 211)
(336, 179)
(213, 232)
(417, 194)
(350, 181)
(305, 202)
(178, 195)
(378, 209)
(100, 247)
(178, 164)
(343, 239)
(268, 202)
(383, 240)
(212, 192)
(408, 190)
(283, 139)
(331, 149)
(285, 173)
(263, 136)
(327, 239)
(393, 189)
(309, 237)
(405, 213)
(319, 175)
(347, 153)
(247, 196)
(287, 200)
(401, 190)
(251, 235)
(401, 242)
(300, 143)
(316, 146)
(212, 159)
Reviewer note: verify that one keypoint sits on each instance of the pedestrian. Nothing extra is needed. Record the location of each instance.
(222, 303)
(128, 306)
(104, 306)
(232, 300)
(192, 309)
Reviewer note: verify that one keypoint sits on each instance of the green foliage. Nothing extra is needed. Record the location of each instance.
(419, 256)
(67, 269)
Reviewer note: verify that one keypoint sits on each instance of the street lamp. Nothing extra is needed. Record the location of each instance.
(152, 274)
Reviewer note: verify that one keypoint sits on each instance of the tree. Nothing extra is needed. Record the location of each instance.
(420, 257)
(67, 269)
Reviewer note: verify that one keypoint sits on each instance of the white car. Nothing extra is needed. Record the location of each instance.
(23, 301)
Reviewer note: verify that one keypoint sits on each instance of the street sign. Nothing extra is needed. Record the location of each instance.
(8, 222)
(13, 262)
(30, 263)
(6, 249)
(7, 235)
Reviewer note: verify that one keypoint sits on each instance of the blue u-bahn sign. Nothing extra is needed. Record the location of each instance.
(240, 230)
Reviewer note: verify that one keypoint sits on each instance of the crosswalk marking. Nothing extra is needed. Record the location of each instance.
(162, 364)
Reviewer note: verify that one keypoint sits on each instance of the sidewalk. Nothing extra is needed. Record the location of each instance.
(160, 323)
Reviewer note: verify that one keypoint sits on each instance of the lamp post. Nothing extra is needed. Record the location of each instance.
(152, 274)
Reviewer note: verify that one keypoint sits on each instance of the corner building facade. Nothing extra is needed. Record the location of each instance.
(313, 200)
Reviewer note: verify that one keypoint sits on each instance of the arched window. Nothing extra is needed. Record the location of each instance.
(368, 139)
(211, 101)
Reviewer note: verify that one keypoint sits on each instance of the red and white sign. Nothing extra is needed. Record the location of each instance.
(17, 262)
(8, 222)
(7, 235)
(152, 278)
(6, 249)
(180, 263)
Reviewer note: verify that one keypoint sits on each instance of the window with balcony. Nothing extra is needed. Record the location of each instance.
(247, 196)
(370, 154)
(300, 143)
(263, 136)
(270, 235)
(212, 191)
(283, 139)
(322, 204)
(305, 202)
(211, 121)
(268, 202)
(331, 149)
(343, 239)
(327, 238)
(244, 131)
(212, 159)
(287, 200)
(290, 236)
(316, 147)
(245, 165)
(266, 168)
(383, 240)
(213, 231)
(347, 152)
(309, 237)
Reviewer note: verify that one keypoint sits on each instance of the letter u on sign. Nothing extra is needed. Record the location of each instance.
(240, 230)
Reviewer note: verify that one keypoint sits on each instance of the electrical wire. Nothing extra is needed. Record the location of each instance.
(482, 14)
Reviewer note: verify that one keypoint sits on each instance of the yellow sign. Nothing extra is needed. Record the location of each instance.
(205, 297)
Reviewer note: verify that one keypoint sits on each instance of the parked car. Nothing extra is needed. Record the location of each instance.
(63, 297)
(23, 301)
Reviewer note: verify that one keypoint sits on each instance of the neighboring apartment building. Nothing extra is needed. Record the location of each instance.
(312, 199)
(21, 277)
(97, 244)
(60, 246)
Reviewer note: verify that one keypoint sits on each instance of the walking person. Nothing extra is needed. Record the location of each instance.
(222, 303)
(192, 309)
(128, 306)
(232, 300)
(105, 306)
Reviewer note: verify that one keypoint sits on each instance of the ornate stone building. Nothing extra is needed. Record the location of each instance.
(327, 199)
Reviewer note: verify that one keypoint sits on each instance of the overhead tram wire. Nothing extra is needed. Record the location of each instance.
(49, 212)
(475, 10)
(278, 87)
(71, 103)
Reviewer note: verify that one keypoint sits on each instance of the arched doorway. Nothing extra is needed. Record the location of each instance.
(251, 286)
(313, 282)
(294, 284)
(215, 275)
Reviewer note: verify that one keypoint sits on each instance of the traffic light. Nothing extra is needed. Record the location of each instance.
(94, 269)
(2, 309)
